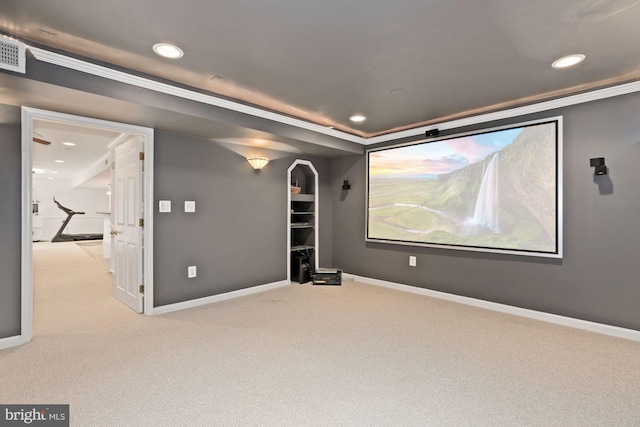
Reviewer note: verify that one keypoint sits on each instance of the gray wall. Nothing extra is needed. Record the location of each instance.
(598, 279)
(237, 237)
(10, 221)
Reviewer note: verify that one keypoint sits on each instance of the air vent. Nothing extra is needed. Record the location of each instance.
(12, 55)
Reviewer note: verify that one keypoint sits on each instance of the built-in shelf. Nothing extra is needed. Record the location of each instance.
(301, 248)
(303, 197)
(303, 232)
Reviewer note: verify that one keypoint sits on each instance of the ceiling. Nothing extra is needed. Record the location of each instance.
(401, 63)
(85, 163)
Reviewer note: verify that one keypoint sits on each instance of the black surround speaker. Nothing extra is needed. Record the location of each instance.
(598, 164)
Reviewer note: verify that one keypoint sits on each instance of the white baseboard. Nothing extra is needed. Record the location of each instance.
(216, 298)
(11, 342)
(615, 331)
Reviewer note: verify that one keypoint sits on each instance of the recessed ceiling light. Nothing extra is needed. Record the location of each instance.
(168, 50)
(568, 61)
(59, 161)
(54, 171)
(357, 118)
(50, 177)
(36, 170)
(69, 144)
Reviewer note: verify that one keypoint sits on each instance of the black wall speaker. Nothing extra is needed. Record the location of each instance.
(598, 164)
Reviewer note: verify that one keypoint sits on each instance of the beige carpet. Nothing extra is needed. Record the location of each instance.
(355, 355)
(93, 248)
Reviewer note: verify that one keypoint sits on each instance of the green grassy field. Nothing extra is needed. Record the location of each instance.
(437, 211)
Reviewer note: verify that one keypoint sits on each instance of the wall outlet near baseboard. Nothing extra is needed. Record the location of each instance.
(412, 261)
(191, 272)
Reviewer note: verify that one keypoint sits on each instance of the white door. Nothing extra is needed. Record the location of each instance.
(126, 227)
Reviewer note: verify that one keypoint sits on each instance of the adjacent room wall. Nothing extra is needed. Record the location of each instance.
(598, 279)
(10, 220)
(237, 236)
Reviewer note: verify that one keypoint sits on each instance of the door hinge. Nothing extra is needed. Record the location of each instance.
(141, 222)
(142, 289)
(141, 155)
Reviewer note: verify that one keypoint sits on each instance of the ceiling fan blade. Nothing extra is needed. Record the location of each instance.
(41, 141)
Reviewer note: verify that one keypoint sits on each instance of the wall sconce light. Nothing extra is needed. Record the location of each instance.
(257, 162)
(598, 164)
(345, 185)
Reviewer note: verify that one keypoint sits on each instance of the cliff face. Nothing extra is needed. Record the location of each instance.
(457, 191)
(528, 176)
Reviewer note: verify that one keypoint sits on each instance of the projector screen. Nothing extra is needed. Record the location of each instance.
(495, 190)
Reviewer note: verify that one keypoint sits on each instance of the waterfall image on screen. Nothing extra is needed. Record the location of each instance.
(485, 212)
(491, 191)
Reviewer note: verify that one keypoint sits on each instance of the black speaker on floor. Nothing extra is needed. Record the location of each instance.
(300, 269)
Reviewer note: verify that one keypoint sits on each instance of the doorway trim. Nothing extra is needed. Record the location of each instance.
(28, 115)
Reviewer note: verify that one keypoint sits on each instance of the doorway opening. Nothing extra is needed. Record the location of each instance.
(126, 215)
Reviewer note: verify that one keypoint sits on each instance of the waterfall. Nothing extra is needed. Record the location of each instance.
(486, 211)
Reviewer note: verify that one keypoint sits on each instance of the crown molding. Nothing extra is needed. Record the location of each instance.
(142, 82)
(566, 101)
(122, 77)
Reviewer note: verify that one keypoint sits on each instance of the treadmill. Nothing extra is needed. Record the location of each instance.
(61, 237)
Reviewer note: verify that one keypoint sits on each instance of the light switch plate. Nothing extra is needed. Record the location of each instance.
(412, 261)
(165, 206)
(189, 206)
(191, 272)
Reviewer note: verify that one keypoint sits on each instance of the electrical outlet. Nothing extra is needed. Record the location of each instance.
(412, 261)
(191, 272)
(189, 206)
